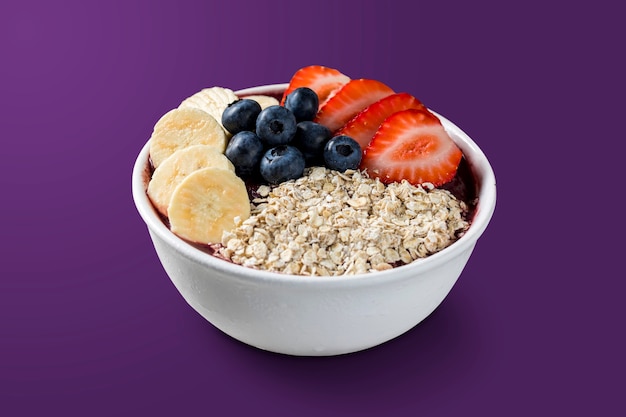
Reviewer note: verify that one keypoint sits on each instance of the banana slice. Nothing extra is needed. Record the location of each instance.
(206, 203)
(180, 128)
(263, 100)
(177, 167)
(211, 100)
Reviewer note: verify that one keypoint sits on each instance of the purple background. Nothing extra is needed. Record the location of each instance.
(91, 325)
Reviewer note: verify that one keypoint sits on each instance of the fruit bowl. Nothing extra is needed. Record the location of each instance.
(315, 316)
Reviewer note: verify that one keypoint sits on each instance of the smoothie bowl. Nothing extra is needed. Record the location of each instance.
(302, 298)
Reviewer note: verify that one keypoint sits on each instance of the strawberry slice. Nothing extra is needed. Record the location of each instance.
(349, 100)
(323, 80)
(364, 125)
(412, 145)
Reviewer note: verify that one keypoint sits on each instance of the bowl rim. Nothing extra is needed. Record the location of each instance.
(479, 164)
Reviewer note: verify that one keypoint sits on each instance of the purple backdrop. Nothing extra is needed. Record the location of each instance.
(91, 325)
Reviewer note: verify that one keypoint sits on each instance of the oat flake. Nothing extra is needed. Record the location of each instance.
(330, 223)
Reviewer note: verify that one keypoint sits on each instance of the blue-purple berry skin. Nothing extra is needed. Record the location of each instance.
(241, 115)
(245, 151)
(282, 163)
(342, 153)
(303, 103)
(275, 125)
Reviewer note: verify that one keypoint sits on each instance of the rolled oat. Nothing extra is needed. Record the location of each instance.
(330, 223)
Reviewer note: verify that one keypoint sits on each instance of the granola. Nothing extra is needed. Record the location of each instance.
(329, 223)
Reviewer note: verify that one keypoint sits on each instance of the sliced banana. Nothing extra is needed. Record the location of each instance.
(206, 203)
(180, 128)
(177, 167)
(263, 100)
(211, 100)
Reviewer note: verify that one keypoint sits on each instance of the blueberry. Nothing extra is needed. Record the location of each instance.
(245, 150)
(342, 153)
(276, 125)
(282, 163)
(311, 138)
(303, 102)
(241, 115)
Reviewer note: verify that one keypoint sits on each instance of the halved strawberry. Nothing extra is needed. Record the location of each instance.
(364, 125)
(349, 100)
(323, 80)
(412, 145)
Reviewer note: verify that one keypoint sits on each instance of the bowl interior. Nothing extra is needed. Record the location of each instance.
(479, 165)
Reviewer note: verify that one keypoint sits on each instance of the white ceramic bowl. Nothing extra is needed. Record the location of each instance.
(315, 315)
